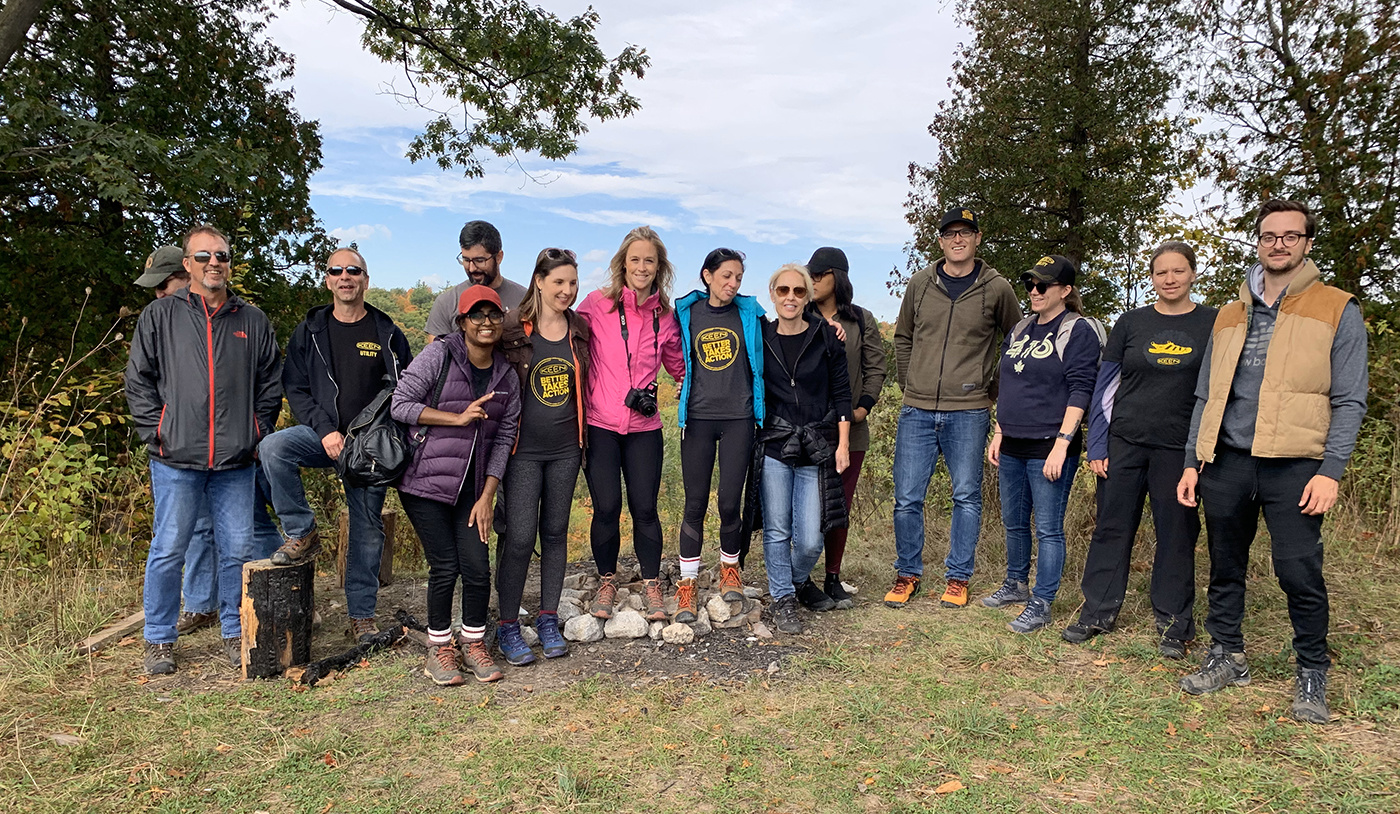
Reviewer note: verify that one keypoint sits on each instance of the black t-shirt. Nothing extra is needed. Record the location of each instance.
(957, 285)
(721, 387)
(790, 346)
(549, 414)
(1160, 355)
(481, 379)
(359, 368)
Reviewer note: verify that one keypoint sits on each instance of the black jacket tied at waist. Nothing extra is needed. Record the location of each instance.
(813, 441)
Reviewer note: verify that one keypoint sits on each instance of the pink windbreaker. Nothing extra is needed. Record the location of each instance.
(607, 376)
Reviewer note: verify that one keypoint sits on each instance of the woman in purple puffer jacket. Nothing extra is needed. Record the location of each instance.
(461, 399)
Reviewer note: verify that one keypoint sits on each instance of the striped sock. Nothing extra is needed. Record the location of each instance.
(473, 634)
(439, 638)
(690, 567)
(728, 559)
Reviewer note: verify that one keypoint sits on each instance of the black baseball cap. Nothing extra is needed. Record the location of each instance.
(959, 214)
(825, 259)
(1052, 268)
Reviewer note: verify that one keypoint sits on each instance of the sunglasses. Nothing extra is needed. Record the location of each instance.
(480, 317)
(560, 254)
(798, 291)
(336, 271)
(203, 258)
(1039, 286)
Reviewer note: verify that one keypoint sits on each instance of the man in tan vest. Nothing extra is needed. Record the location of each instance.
(1279, 401)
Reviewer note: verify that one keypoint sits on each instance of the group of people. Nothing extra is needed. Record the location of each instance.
(520, 390)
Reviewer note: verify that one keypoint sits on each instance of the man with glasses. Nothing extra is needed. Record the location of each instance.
(1279, 401)
(203, 384)
(340, 357)
(945, 347)
(481, 258)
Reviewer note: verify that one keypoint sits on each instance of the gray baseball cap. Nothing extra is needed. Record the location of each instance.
(162, 263)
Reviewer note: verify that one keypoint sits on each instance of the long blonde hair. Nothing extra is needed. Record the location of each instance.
(617, 280)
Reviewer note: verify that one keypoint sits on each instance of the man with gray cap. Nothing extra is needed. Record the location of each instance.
(165, 272)
(945, 347)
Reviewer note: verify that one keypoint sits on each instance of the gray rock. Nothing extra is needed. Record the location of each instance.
(583, 629)
(718, 608)
(732, 622)
(761, 631)
(635, 602)
(701, 625)
(626, 624)
(575, 593)
(528, 633)
(752, 592)
(654, 631)
(677, 634)
(568, 609)
(753, 611)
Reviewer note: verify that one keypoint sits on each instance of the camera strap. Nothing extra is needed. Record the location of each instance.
(627, 346)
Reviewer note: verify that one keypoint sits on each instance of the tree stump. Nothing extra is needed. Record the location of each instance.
(386, 559)
(276, 615)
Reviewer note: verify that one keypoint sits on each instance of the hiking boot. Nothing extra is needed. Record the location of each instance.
(686, 611)
(954, 594)
(442, 665)
(361, 630)
(1081, 632)
(813, 598)
(1035, 616)
(905, 589)
(159, 659)
(1310, 697)
(233, 648)
(731, 585)
(513, 645)
(606, 597)
(656, 601)
(190, 622)
(1011, 592)
(785, 615)
(832, 588)
(1171, 648)
(551, 640)
(477, 658)
(298, 551)
(1218, 671)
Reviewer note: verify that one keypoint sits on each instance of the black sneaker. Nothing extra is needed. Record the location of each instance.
(832, 588)
(1081, 632)
(1310, 697)
(1171, 648)
(1011, 592)
(233, 648)
(785, 615)
(1034, 616)
(1218, 671)
(812, 597)
(159, 659)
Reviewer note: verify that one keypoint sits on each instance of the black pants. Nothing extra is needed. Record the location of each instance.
(541, 494)
(453, 549)
(701, 442)
(1134, 472)
(1234, 489)
(637, 457)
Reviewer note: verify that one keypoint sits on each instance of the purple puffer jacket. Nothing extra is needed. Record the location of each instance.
(440, 464)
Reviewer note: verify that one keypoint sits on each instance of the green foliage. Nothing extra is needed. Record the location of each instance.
(408, 308)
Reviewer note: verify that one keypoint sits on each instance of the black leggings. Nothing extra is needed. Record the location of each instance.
(637, 457)
(538, 501)
(700, 441)
(453, 549)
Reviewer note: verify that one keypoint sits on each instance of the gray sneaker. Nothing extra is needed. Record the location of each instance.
(785, 615)
(233, 648)
(1310, 697)
(159, 659)
(442, 666)
(1033, 618)
(1011, 592)
(1218, 671)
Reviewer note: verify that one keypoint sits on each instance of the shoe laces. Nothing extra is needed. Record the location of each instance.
(903, 585)
(685, 594)
(446, 656)
(655, 598)
(957, 587)
(359, 627)
(729, 575)
(1312, 687)
(607, 592)
(477, 654)
(164, 649)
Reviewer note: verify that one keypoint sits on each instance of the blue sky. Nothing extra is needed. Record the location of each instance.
(772, 128)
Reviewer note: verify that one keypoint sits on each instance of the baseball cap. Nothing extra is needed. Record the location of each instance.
(476, 294)
(161, 263)
(825, 259)
(959, 214)
(1052, 268)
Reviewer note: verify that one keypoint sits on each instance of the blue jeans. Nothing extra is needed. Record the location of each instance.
(1023, 488)
(961, 437)
(792, 524)
(283, 454)
(200, 589)
(179, 496)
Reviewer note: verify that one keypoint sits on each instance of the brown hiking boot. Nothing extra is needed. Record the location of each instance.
(656, 601)
(361, 629)
(477, 658)
(955, 595)
(685, 602)
(606, 597)
(159, 659)
(442, 665)
(190, 622)
(731, 585)
(296, 552)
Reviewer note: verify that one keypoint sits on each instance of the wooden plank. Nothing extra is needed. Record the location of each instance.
(342, 547)
(276, 613)
(390, 519)
(111, 634)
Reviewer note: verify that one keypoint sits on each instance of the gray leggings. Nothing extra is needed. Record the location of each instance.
(538, 496)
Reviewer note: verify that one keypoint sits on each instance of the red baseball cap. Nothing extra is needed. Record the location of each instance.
(477, 294)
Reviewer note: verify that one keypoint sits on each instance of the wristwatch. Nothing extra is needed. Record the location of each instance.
(1065, 436)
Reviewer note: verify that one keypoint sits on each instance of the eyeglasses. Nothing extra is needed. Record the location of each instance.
(965, 234)
(798, 291)
(336, 271)
(480, 317)
(817, 275)
(559, 254)
(203, 258)
(1039, 286)
(477, 262)
(1288, 239)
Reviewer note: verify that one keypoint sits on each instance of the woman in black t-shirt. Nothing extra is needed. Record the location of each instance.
(548, 345)
(1138, 423)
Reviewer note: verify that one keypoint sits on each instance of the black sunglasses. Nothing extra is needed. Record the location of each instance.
(203, 258)
(1039, 286)
(336, 271)
(480, 317)
(560, 254)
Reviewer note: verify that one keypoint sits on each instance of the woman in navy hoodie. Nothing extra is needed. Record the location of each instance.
(721, 401)
(1048, 365)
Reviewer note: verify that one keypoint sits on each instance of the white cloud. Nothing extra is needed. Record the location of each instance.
(362, 233)
(433, 281)
(615, 217)
(595, 256)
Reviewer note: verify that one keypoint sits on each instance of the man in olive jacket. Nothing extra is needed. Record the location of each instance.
(945, 341)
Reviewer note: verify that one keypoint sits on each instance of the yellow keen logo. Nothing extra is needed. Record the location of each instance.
(1045, 261)
(967, 215)
(1169, 348)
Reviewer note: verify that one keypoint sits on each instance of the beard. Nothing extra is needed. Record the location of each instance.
(485, 276)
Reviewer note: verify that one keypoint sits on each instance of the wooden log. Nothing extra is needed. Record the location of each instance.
(276, 615)
(386, 559)
(111, 634)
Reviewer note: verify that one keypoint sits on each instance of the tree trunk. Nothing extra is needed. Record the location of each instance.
(276, 615)
(16, 18)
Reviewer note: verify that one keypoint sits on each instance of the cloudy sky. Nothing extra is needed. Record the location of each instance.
(772, 127)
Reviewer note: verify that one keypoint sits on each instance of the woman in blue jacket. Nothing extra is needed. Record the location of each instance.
(721, 402)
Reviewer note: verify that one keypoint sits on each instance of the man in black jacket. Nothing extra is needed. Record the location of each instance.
(203, 384)
(337, 362)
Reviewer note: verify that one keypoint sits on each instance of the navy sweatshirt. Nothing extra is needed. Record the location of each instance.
(1035, 386)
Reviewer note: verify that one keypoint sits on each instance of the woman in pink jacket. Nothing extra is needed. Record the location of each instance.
(634, 332)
